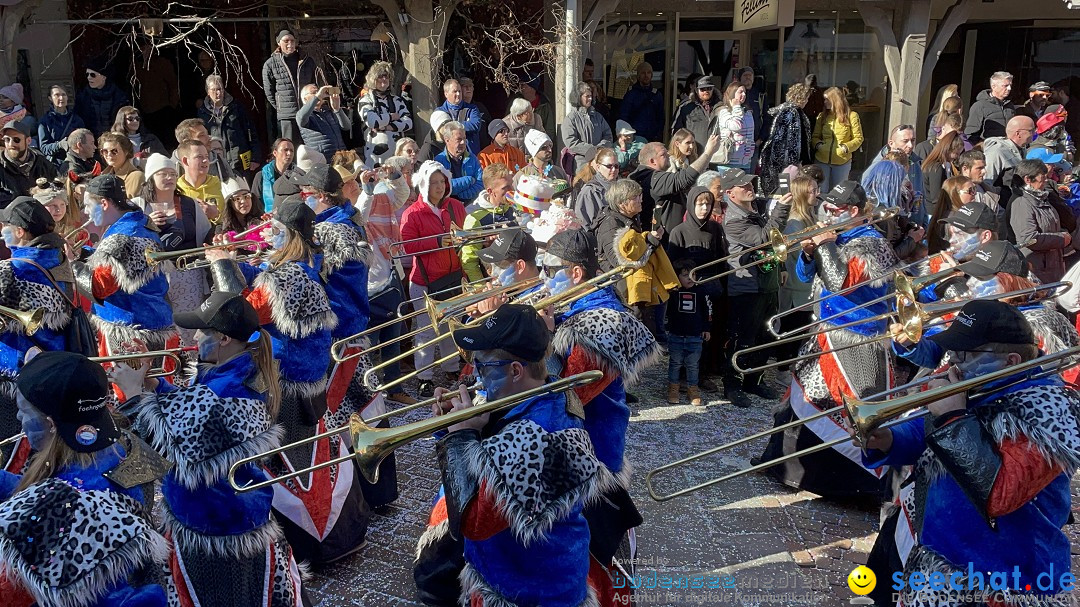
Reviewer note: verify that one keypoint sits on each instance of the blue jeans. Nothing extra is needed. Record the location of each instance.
(834, 174)
(683, 351)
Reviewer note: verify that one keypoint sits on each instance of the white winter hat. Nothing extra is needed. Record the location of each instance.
(234, 185)
(623, 127)
(308, 157)
(156, 162)
(438, 118)
(534, 140)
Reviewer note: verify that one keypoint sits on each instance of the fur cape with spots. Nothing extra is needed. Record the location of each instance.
(71, 548)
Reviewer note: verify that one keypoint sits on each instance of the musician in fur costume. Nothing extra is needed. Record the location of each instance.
(131, 305)
(323, 512)
(991, 480)
(525, 536)
(833, 262)
(225, 544)
(62, 547)
(24, 285)
(346, 257)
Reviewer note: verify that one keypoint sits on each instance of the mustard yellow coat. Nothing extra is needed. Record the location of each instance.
(650, 283)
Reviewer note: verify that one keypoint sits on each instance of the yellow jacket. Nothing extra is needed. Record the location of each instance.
(209, 191)
(650, 283)
(830, 134)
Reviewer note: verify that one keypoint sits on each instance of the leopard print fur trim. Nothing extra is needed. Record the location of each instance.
(112, 539)
(119, 333)
(205, 434)
(430, 536)
(244, 545)
(536, 476)
(341, 243)
(472, 582)
(1053, 331)
(299, 306)
(24, 294)
(925, 561)
(616, 341)
(126, 257)
(876, 253)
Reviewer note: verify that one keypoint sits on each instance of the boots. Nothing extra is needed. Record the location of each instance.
(673, 393)
(694, 394)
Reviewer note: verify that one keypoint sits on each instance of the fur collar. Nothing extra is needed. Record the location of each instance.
(615, 340)
(298, 306)
(217, 521)
(68, 547)
(23, 294)
(341, 244)
(125, 256)
(473, 583)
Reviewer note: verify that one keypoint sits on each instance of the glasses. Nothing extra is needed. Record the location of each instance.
(92, 74)
(479, 366)
(609, 167)
(132, 118)
(109, 151)
(959, 356)
(10, 139)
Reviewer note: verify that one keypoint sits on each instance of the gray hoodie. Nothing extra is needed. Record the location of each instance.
(1001, 155)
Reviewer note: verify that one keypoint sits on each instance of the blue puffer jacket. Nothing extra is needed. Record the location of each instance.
(54, 128)
(468, 185)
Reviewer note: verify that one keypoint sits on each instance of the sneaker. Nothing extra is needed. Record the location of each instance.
(402, 398)
(738, 398)
(426, 389)
(708, 385)
(763, 390)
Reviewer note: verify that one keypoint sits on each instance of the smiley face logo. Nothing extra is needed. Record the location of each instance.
(861, 580)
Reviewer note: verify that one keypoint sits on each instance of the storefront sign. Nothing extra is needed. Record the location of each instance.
(759, 14)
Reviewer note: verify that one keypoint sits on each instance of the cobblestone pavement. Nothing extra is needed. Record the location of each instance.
(752, 528)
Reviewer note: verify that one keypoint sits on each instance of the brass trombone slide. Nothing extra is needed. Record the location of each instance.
(903, 285)
(465, 288)
(560, 299)
(458, 238)
(372, 445)
(173, 353)
(11, 439)
(779, 244)
(911, 314)
(868, 415)
(155, 257)
(72, 234)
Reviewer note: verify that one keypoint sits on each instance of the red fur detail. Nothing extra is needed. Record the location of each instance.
(260, 300)
(831, 372)
(483, 518)
(318, 499)
(14, 595)
(856, 272)
(1024, 473)
(600, 581)
(104, 283)
(580, 361)
(438, 513)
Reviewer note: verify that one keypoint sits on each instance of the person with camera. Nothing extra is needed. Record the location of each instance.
(323, 122)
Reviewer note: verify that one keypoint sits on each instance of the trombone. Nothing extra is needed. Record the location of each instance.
(436, 311)
(153, 258)
(130, 358)
(912, 315)
(11, 439)
(29, 319)
(254, 229)
(774, 321)
(458, 238)
(81, 242)
(465, 287)
(779, 244)
(904, 285)
(372, 445)
(869, 414)
(559, 299)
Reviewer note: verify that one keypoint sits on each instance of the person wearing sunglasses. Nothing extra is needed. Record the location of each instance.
(144, 143)
(991, 466)
(21, 165)
(487, 521)
(99, 102)
(1052, 134)
(592, 183)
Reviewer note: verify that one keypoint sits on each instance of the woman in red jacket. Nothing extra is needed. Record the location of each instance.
(433, 215)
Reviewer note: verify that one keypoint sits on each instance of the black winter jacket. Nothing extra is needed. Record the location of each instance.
(747, 229)
(282, 88)
(663, 195)
(988, 117)
(98, 107)
(699, 241)
(233, 126)
(14, 182)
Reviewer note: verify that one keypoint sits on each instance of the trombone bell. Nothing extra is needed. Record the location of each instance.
(30, 319)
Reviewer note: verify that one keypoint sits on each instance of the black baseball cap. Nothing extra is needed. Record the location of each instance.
(735, 177)
(74, 392)
(515, 328)
(107, 186)
(224, 312)
(297, 216)
(26, 213)
(847, 194)
(322, 177)
(993, 257)
(983, 321)
(510, 245)
(972, 216)
(22, 125)
(574, 246)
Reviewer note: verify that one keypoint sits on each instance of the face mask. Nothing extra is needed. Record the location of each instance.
(984, 288)
(277, 241)
(824, 216)
(97, 214)
(962, 245)
(558, 283)
(312, 202)
(506, 277)
(8, 234)
(981, 363)
(208, 349)
(34, 423)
